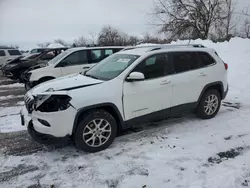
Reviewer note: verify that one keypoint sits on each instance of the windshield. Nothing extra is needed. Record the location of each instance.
(112, 66)
(58, 57)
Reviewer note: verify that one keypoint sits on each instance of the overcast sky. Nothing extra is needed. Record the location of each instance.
(28, 22)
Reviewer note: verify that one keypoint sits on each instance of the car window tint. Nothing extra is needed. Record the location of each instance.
(185, 61)
(77, 58)
(96, 55)
(48, 56)
(33, 51)
(2, 53)
(205, 59)
(40, 50)
(14, 52)
(108, 52)
(154, 66)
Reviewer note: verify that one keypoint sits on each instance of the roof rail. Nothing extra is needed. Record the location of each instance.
(145, 46)
(176, 45)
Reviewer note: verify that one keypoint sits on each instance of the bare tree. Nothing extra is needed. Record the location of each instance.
(246, 28)
(44, 45)
(81, 41)
(187, 18)
(9, 46)
(62, 42)
(133, 40)
(93, 38)
(226, 24)
(109, 36)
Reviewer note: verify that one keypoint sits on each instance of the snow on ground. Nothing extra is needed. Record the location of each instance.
(10, 97)
(12, 85)
(10, 119)
(185, 152)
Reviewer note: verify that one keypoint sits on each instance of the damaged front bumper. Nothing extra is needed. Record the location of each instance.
(49, 128)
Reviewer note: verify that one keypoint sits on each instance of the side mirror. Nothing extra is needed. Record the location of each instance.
(135, 76)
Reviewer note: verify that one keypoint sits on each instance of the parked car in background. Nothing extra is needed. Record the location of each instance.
(8, 54)
(127, 89)
(37, 50)
(73, 60)
(14, 70)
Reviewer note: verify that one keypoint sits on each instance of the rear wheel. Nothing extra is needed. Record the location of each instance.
(209, 104)
(96, 131)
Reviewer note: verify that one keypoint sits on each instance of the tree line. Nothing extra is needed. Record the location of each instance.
(218, 20)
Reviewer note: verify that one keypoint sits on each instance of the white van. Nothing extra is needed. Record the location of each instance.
(71, 61)
(8, 54)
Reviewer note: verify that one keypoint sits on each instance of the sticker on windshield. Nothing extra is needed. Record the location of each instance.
(123, 60)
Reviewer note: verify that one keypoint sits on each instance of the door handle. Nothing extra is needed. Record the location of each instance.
(202, 74)
(165, 82)
(85, 67)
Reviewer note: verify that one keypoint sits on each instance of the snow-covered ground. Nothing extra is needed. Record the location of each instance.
(185, 152)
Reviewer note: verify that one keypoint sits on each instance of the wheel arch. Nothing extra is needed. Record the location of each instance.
(215, 85)
(109, 107)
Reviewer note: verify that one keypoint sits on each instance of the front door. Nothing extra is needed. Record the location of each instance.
(76, 62)
(150, 98)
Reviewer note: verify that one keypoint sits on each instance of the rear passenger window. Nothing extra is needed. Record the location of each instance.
(108, 52)
(205, 59)
(14, 52)
(2, 53)
(185, 61)
(96, 55)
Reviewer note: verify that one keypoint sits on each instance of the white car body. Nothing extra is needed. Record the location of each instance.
(56, 68)
(7, 55)
(134, 102)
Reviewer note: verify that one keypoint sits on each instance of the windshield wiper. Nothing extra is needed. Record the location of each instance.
(91, 76)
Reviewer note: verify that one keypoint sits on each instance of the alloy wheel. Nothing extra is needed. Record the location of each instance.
(97, 132)
(211, 104)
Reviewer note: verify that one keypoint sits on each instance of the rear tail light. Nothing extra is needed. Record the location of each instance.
(226, 66)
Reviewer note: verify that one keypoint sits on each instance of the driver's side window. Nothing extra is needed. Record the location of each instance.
(154, 66)
(76, 58)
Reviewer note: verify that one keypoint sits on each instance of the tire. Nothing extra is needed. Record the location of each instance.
(89, 124)
(208, 111)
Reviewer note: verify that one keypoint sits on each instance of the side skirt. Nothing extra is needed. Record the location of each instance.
(160, 115)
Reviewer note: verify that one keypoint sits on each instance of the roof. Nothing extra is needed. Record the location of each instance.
(141, 50)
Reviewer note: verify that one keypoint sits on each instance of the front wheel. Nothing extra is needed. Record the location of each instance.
(209, 105)
(96, 131)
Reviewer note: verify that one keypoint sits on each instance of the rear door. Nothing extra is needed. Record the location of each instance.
(74, 63)
(189, 78)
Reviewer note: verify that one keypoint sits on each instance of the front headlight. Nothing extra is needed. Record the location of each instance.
(52, 103)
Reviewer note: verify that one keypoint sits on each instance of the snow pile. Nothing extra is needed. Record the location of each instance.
(55, 45)
(184, 152)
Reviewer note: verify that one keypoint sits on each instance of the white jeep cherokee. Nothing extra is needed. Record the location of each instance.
(129, 88)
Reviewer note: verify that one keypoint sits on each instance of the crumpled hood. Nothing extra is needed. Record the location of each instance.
(64, 84)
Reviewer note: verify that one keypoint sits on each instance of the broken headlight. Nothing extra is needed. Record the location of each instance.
(52, 103)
